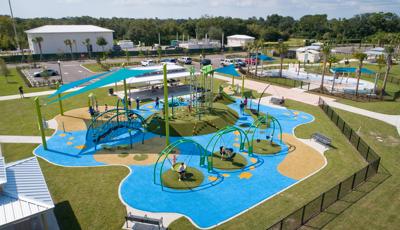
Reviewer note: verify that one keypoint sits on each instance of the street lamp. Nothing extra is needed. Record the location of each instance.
(59, 68)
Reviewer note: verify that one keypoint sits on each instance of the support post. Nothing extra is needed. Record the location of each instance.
(59, 101)
(166, 115)
(40, 122)
(242, 85)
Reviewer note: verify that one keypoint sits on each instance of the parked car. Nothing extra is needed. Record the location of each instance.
(205, 62)
(46, 72)
(185, 60)
(170, 47)
(226, 62)
(116, 48)
(168, 60)
(239, 62)
(147, 62)
(251, 61)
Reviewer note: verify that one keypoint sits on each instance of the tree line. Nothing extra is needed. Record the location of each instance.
(271, 28)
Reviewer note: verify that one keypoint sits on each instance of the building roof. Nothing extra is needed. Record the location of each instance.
(241, 36)
(3, 177)
(25, 192)
(67, 29)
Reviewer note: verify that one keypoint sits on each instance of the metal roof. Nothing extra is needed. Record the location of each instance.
(3, 177)
(25, 192)
(67, 29)
(241, 36)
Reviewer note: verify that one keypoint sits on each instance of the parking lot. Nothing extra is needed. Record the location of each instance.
(72, 70)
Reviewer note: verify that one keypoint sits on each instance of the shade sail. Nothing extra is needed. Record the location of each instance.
(229, 70)
(114, 77)
(350, 70)
(74, 84)
(264, 57)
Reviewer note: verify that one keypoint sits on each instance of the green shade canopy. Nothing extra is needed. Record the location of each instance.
(114, 77)
(229, 70)
(264, 57)
(74, 84)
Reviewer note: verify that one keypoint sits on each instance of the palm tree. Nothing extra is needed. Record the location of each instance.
(281, 48)
(258, 46)
(101, 41)
(332, 59)
(326, 52)
(38, 41)
(87, 43)
(68, 43)
(389, 54)
(249, 48)
(361, 57)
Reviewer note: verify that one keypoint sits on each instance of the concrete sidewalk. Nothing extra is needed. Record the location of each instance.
(301, 95)
(21, 139)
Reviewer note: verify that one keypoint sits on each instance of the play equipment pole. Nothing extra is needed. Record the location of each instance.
(166, 115)
(242, 85)
(59, 101)
(40, 122)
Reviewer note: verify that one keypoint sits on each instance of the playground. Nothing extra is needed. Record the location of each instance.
(206, 156)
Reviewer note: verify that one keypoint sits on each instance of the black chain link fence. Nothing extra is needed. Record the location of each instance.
(299, 217)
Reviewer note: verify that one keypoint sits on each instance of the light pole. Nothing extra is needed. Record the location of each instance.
(59, 68)
(14, 28)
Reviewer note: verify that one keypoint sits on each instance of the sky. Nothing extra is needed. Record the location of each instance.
(194, 8)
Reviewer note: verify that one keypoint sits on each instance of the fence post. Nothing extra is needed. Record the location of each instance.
(337, 120)
(351, 132)
(321, 208)
(302, 215)
(366, 157)
(354, 180)
(339, 189)
(358, 142)
(309, 86)
(366, 173)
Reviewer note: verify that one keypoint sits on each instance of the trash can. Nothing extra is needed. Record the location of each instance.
(111, 91)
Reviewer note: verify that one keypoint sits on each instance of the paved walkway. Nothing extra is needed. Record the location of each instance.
(312, 99)
(21, 139)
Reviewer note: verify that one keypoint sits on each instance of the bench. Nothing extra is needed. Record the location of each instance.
(321, 139)
(144, 220)
(277, 101)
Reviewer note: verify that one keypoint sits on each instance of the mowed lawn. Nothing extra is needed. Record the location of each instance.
(85, 198)
(9, 85)
(379, 208)
(343, 160)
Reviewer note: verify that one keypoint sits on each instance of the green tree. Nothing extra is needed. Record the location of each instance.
(68, 43)
(326, 52)
(389, 55)
(38, 41)
(4, 69)
(159, 52)
(87, 43)
(101, 41)
(258, 45)
(249, 48)
(360, 56)
(281, 49)
(332, 59)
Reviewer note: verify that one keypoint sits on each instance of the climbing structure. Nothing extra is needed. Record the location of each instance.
(110, 124)
(218, 137)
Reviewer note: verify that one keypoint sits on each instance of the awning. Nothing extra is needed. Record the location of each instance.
(74, 84)
(114, 77)
(351, 70)
(228, 70)
(264, 57)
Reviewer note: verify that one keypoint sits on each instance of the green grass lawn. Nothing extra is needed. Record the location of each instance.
(15, 81)
(379, 208)
(386, 107)
(85, 198)
(94, 67)
(343, 160)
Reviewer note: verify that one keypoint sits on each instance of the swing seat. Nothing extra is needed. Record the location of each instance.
(230, 157)
(258, 140)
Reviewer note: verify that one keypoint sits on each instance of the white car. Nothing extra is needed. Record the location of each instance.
(147, 62)
(185, 60)
(226, 62)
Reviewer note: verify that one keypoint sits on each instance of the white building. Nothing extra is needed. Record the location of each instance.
(239, 40)
(200, 44)
(374, 53)
(309, 54)
(125, 44)
(55, 35)
(25, 201)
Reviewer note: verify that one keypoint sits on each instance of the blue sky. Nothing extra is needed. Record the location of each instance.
(195, 8)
